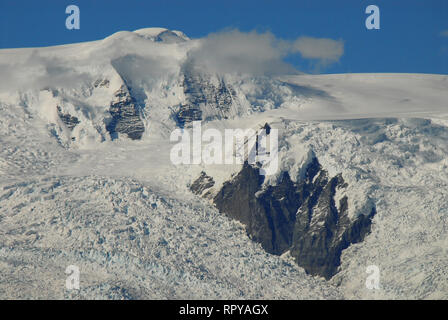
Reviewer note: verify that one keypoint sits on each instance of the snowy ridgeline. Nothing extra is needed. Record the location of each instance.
(86, 177)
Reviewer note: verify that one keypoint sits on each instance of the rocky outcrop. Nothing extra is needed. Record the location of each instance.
(125, 116)
(323, 228)
(202, 183)
(101, 83)
(69, 120)
(169, 36)
(203, 91)
(302, 217)
(187, 114)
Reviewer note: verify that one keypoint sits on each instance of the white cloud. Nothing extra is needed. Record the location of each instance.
(260, 53)
(235, 51)
(39, 72)
(230, 51)
(326, 50)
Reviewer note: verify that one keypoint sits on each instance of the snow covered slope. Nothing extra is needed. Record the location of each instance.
(86, 177)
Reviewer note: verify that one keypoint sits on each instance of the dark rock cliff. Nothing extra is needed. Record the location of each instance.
(69, 120)
(125, 116)
(203, 91)
(202, 183)
(301, 217)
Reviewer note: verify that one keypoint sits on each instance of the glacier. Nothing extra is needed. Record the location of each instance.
(86, 177)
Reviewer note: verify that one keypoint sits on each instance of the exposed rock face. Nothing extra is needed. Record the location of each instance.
(187, 114)
(169, 36)
(69, 120)
(202, 183)
(125, 116)
(238, 200)
(301, 217)
(101, 83)
(323, 228)
(203, 92)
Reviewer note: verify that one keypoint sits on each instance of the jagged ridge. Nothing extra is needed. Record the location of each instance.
(301, 217)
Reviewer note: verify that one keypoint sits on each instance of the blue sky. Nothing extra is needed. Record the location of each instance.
(410, 39)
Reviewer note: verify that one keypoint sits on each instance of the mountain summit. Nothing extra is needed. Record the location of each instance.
(86, 176)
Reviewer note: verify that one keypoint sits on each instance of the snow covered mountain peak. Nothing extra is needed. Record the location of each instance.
(85, 163)
(162, 35)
